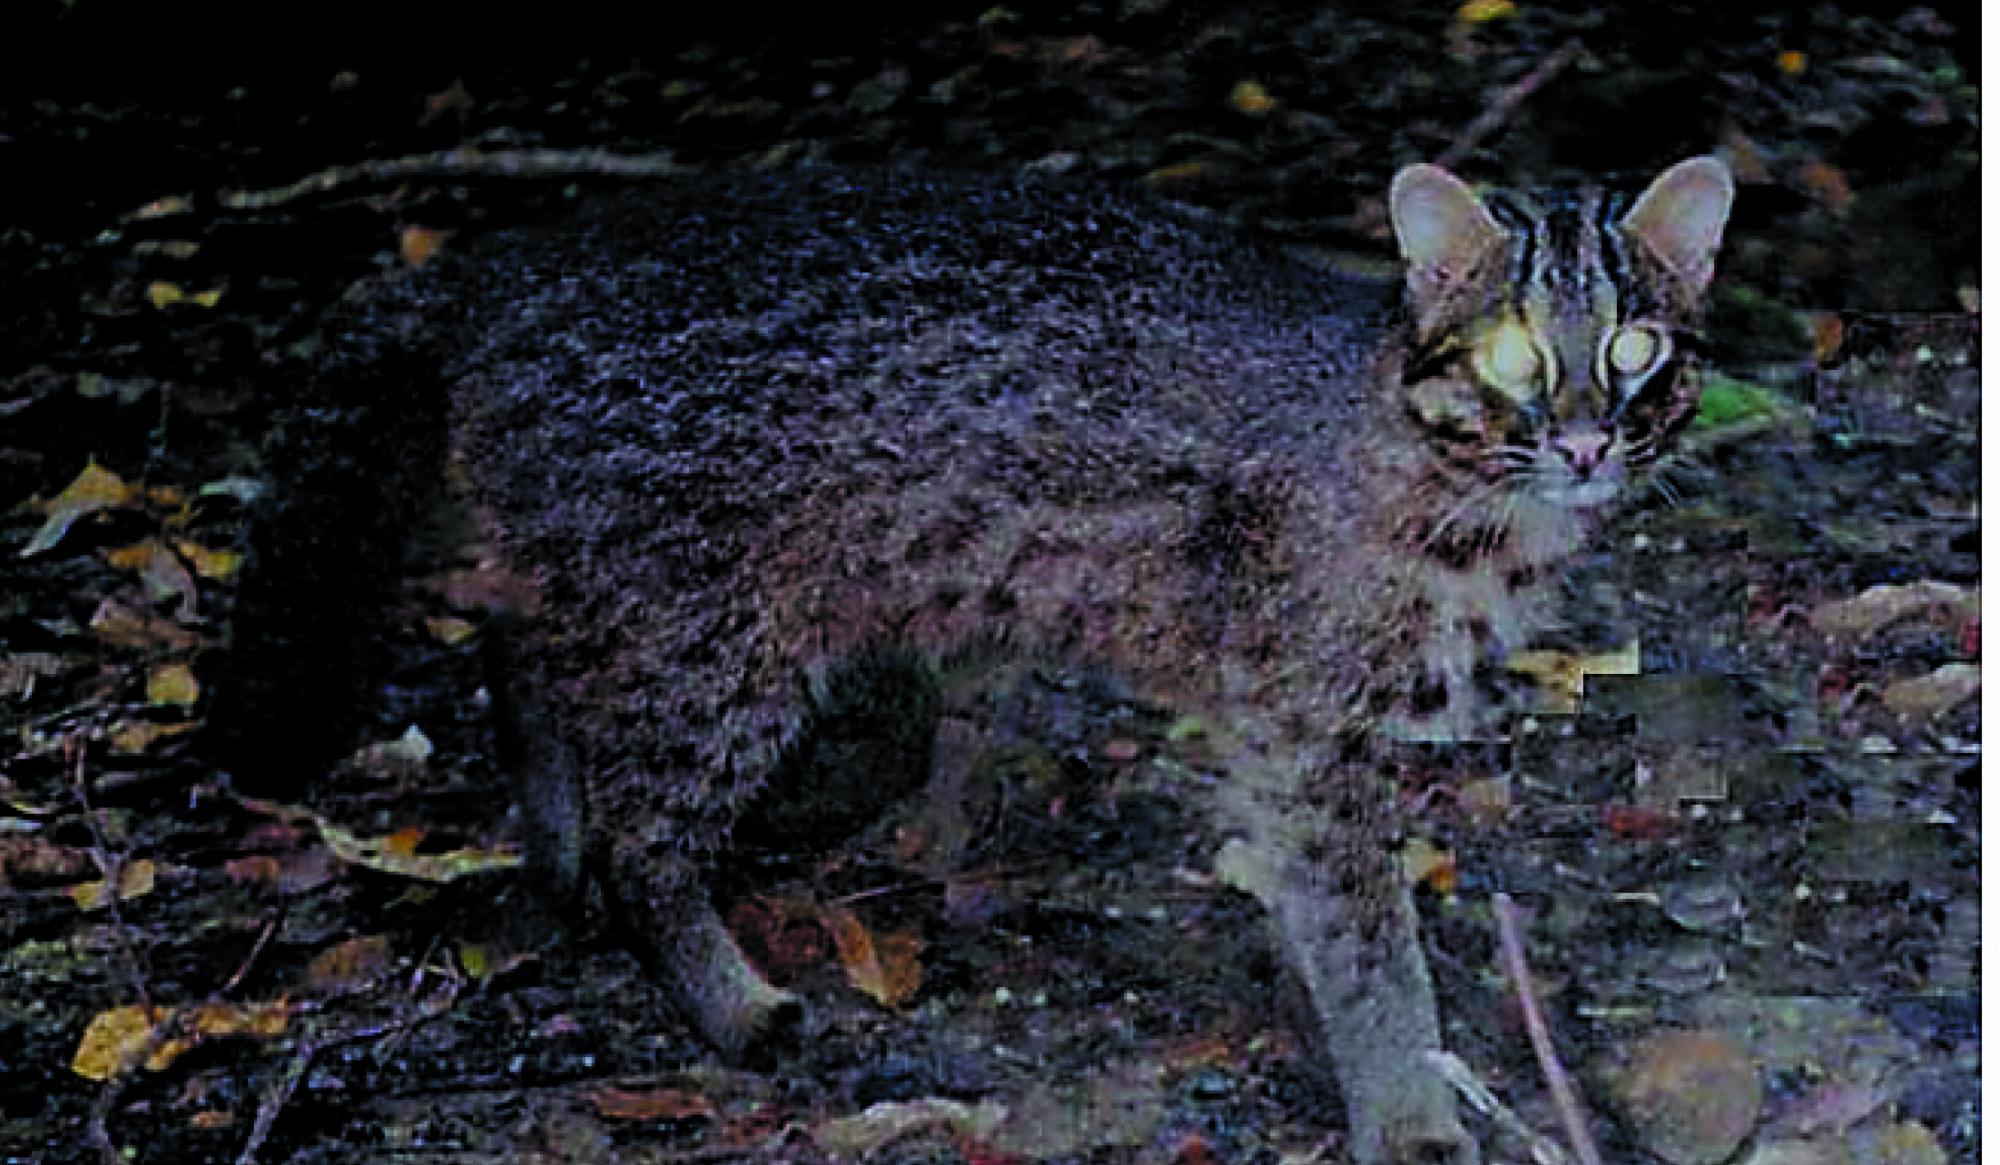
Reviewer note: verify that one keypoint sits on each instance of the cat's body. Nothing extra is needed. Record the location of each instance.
(764, 447)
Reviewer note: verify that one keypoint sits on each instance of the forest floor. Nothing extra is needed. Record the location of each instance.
(1748, 857)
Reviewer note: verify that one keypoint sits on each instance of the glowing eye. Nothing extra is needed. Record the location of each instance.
(1636, 351)
(1511, 361)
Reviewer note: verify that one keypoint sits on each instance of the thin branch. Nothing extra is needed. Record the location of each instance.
(1507, 102)
(1514, 956)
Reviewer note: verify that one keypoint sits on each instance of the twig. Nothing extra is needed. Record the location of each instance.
(1507, 102)
(1514, 956)
(461, 163)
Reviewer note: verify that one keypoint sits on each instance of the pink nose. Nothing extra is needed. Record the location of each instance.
(1583, 446)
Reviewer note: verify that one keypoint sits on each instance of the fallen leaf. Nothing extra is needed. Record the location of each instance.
(1640, 822)
(419, 245)
(885, 969)
(296, 872)
(651, 1104)
(216, 565)
(1484, 11)
(1879, 606)
(1828, 186)
(1693, 1096)
(114, 1041)
(1906, 1142)
(350, 966)
(94, 489)
(117, 625)
(1560, 674)
(1791, 62)
(172, 684)
(381, 854)
(449, 630)
(1930, 695)
(1178, 174)
(135, 880)
(133, 737)
(858, 1137)
(1251, 98)
(165, 576)
(199, 1024)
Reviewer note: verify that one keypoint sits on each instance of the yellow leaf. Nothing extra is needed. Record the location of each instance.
(1176, 174)
(114, 1041)
(449, 629)
(1791, 62)
(135, 880)
(1251, 98)
(379, 854)
(240, 1019)
(1482, 11)
(164, 295)
(173, 684)
(886, 970)
(1560, 674)
(218, 565)
(94, 489)
(214, 1020)
(419, 245)
(132, 737)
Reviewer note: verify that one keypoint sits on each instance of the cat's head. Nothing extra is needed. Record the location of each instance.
(1549, 343)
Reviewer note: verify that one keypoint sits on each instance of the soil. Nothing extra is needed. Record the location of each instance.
(1747, 859)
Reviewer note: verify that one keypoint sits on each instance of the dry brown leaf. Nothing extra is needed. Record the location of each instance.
(207, 1021)
(1693, 1096)
(350, 966)
(1828, 186)
(886, 968)
(117, 625)
(651, 1104)
(419, 245)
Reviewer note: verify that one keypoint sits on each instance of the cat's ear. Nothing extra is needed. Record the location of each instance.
(1442, 229)
(1680, 217)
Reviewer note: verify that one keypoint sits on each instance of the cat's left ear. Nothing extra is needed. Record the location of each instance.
(1680, 217)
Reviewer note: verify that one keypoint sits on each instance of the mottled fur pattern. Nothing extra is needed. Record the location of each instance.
(769, 446)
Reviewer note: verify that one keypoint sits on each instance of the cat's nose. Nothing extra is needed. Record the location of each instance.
(1583, 445)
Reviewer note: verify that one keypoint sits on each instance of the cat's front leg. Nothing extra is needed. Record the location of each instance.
(1314, 854)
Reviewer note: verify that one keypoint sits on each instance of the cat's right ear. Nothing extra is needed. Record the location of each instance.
(1442, 230)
